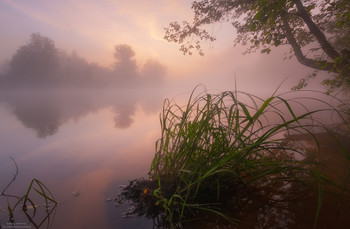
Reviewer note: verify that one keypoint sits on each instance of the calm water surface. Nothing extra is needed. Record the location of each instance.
(85, 143)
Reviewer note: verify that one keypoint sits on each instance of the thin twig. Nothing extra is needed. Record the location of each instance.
(13, 179)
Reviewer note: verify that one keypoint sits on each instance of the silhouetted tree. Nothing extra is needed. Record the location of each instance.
(312, 28)
(153, 72)
(125, 65)
(36, 61)
(76, 71)
(40, 63)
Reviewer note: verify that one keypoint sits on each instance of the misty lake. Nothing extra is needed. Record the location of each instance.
(82, 146)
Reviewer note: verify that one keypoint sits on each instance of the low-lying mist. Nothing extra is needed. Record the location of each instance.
(39, 64)
(45, 87)
(45, 111)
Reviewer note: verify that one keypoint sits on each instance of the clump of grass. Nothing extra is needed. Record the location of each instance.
(222, 151)
(26, 200)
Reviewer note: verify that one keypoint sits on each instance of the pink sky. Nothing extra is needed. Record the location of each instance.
(93, 27)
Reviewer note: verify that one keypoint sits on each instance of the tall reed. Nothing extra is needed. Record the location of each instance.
(221, 149)
(26, 201)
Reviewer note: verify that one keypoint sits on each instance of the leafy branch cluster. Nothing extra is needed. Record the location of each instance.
(318, 32)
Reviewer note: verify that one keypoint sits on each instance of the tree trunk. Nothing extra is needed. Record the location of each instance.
(321, 38)
(299, 54)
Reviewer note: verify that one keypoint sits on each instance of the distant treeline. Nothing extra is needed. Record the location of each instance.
(39, 64)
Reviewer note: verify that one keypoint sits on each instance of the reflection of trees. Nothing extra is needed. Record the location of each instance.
(46, 111)
(123, 113)
(40, 65)
(41, 115)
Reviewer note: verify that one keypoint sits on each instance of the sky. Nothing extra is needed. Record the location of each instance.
(93, 27)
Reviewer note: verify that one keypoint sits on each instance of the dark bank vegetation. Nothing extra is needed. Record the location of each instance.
(39, 64)
(28, 203)
(223, 156)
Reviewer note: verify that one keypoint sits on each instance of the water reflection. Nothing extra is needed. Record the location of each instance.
(113, 142)
(87, 155)
(46, 111)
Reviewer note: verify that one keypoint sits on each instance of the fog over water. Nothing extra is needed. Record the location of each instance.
(80, 128)
(84, 129)
(80, 105)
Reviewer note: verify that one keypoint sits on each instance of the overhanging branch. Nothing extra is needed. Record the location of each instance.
(320, 65)
(319, 35)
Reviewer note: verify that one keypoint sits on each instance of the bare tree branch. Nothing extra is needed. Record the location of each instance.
(299, 54)
(319, 35)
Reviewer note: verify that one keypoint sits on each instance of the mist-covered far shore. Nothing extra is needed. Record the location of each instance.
(38, 64)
